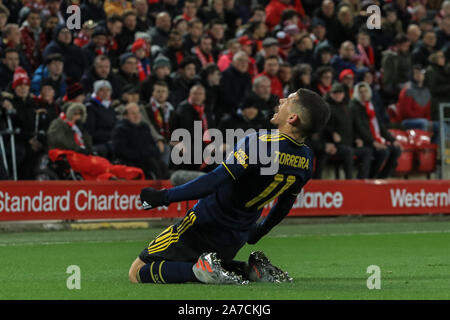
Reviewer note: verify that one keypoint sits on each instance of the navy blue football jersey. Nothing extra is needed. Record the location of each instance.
(238, 203)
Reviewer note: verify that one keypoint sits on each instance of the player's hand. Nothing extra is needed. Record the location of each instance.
(152, 198)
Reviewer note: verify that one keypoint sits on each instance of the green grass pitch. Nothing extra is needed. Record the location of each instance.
(326, 260)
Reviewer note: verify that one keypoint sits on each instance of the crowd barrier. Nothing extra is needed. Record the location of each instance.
(74, 200)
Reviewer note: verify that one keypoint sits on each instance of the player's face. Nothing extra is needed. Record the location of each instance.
(281, 115)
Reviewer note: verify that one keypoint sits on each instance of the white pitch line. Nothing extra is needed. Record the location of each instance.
(274, 236)
(357, 234)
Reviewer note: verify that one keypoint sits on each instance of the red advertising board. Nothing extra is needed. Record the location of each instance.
(72, 200)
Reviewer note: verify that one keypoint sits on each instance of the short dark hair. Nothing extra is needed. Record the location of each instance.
(401, 38)
(318, 110)
(114, 18)
(161, 83)
(8, 50)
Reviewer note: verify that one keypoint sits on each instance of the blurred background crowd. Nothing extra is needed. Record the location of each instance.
(135, 71)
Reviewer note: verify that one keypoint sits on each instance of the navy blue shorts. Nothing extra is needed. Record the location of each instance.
(189, 238)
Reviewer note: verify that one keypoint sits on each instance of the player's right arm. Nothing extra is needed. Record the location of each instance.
(276, 214)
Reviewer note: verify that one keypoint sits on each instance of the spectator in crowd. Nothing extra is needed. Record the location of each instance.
(174, 49)
(33, 38)
(47, 109)
(143, 21)
(323, 54)
(262, 94)
(10, 61)
(160, 32)
(4, 15)
(271, 68)
(326, 12)
(256, 32)
(188, 112)
(101, 118)
(96, 46)
(365, 50)
(183, 80)
(396, 64)
(443, 34)
(301, 78)
(19, 100)
(114, 27)
(101, 70)
(84, 36)
(116, 7)
(347, 78)
(346, 59)
(92, 10)
(74, 93)
(216, 31)
(437, 80)
(52, 70)
(285, 76)
(67, 131)
(49, 25)
(141, 50)
(161, 72)
(343, 28)
(302, 52)
(62, 44)
(414, 34)
(160, 111)
(233, 46)
(128, 72)
(190, 10)
(318, 31)
(214, 10)
(270, 48)
(126, 36)
(414, 104)
(203, 52)
(130, 94)
(12, 38)
(192, 37)
(373, 133)
(235, 82)
(133, 144)
(210, 79)
(391, 25)
(275, 8)
(423, 50)
(249, 117)
(340, 132)
(323, 80)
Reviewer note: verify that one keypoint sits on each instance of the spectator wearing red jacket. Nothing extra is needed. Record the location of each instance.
(414, 104)
(276, 7)
(34, 39)
(271, 68)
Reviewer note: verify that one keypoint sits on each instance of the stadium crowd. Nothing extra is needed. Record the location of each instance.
(135, 71)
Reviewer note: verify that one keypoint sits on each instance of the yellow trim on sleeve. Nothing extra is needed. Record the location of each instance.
(226, 167)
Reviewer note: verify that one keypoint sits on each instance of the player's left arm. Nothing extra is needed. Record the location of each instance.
(276, 214)
(192, 190)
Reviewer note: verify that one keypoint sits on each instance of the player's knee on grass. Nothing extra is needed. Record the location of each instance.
(134, 269)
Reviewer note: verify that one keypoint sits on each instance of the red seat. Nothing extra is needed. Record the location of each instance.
(425, 152)
(406, 160)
